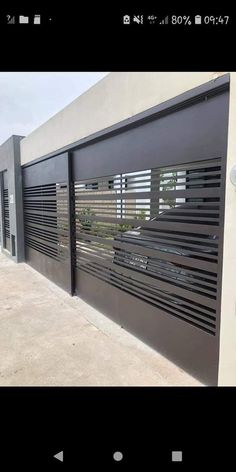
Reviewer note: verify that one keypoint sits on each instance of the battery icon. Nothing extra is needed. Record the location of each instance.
(198, 20)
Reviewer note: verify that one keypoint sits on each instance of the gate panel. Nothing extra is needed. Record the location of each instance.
(46, 219)
(196, 132)
(6, 215)
(149, 233)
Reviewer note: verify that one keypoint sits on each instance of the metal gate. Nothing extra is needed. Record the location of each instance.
(132, 222)
(46, 219)
(5, 213)
(149, 225)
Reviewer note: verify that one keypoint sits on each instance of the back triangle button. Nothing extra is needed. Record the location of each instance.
(59, 456)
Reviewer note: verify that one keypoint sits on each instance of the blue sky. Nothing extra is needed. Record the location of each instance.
(28, 99)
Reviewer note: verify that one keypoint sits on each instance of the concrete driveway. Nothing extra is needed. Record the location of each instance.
(50, 338)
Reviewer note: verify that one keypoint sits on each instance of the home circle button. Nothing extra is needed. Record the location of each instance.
(117, 456)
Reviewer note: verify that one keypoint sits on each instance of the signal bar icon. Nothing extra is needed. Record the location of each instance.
(165, 21)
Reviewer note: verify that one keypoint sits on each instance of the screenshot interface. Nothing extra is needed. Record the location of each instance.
(117, 237)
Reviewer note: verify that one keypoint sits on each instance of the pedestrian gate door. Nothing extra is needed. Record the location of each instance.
(145, 227)
(46, 218)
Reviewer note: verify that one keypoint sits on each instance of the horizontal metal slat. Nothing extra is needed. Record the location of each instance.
(208, 266)
(45, 213)
(174, 312)
(168, 276)
(42, 227)
(171, 287)
(188, 227)
(195, 193)
(45, 253)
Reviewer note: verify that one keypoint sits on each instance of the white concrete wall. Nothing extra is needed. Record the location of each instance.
(227, 365)
(118, 96)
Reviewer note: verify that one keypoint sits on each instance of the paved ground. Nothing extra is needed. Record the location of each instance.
(50, 338)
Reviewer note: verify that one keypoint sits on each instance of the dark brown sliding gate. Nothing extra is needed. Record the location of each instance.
(149, 225)
(132, 222)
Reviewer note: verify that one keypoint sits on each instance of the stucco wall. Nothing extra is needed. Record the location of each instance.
(118, 96)
(227, 365)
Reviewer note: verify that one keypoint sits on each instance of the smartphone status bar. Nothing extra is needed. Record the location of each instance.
(175, 20)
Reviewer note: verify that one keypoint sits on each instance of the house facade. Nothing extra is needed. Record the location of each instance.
(124, 199)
